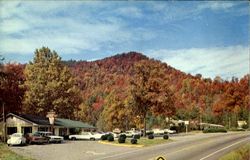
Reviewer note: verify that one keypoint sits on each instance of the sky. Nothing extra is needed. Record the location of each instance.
(210, 38)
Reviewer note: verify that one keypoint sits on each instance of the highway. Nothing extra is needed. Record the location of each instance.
(194, 147)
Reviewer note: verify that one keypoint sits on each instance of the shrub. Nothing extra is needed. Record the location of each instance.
(214, 130)
(110, 138)
(149, 133)
(121, 139)
(133, 141)
(123, 136)
(165, 136)
(104, 137)
(151, 136)
(136, 136)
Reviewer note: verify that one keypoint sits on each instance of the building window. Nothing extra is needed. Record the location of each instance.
(26, 130)
(11, 130)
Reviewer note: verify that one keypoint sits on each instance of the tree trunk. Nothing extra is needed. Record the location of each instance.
(144, 123)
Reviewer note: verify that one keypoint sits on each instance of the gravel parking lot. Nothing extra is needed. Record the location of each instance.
(69, 150)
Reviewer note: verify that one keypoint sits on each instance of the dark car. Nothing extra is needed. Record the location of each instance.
(32, 138)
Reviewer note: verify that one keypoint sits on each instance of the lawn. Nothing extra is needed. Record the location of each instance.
(144, 141)
(7, 154)
(242, 153)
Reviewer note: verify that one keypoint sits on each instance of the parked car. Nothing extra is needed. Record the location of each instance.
(131, 133)
(16, 139)
(36, 138)
(148, 132)
(52, 138)
(158, 131)
(169, 131)
(86, 136)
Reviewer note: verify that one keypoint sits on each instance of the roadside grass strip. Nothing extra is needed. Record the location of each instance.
(115, 143)
(7, 154)
(142, 142)
(242, 153)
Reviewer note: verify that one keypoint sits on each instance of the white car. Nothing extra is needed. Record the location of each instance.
(16, 139)
(131, 133)
(86, 136)
(158, 131)
(52, 138)
(170, 131)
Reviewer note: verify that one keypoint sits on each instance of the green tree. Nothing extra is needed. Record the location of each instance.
(150, 90)
(50, 86)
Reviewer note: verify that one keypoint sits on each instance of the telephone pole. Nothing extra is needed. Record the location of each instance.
(4, 125)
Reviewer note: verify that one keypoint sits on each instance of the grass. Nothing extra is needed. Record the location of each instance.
(7, 154)
(242, 153)
(144, 141)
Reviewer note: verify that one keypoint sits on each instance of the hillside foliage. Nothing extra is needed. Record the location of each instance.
(107, 90)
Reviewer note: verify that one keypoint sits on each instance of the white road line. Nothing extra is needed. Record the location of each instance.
(222, 149)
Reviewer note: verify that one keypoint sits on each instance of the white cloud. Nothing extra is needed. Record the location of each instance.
(31, 25)
(213, 5)
(129, 12)
(210, 62)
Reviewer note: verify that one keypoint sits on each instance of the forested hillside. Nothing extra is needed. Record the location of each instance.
(105, 89)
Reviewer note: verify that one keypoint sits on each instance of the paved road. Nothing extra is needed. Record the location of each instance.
(197, 147)
(190, 147)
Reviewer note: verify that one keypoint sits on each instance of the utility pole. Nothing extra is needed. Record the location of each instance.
(4, 125)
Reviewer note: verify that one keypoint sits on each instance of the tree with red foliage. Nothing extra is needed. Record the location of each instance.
(11, 90)
(150, 90)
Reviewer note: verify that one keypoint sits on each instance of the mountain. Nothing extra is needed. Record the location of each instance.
(105, 90)
(197, 98)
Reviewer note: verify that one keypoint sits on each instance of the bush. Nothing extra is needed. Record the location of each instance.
(214, 130)
(121, 139)
(123, 136)
(149, 133)
(133, 141)
(110, 138)
(151, 136)
(104, 137)
(136, 136)
(165, 136)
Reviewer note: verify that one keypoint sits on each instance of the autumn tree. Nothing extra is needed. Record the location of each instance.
(50, 85)
(11, 94)
(150, 90)
(117, 113)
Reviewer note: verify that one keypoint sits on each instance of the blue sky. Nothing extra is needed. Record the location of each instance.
(211, 38)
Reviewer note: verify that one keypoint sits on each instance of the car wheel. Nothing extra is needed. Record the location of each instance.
(73, 138)
(92, 139)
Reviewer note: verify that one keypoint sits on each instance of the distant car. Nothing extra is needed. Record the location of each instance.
(36, 138)
(148, 132)
(16, 139)
(169, 131)
(158, 131)
(86, 136)
(52, 138)
(131, 133)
